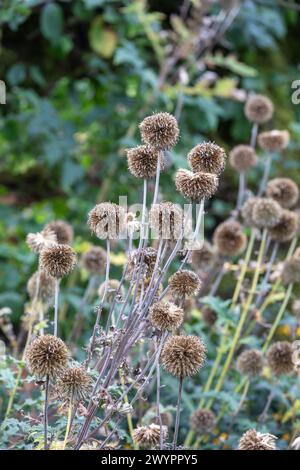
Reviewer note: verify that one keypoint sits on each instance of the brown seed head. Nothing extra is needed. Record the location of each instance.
(107, 220)
(280, 358)
(63, 231)
(242, 158)
(112, 288)
(283, 190)
(58, 260)
(209, 316)
(166, 316)
(160, 131)
(184, 283)
(204, 258)
(183, 356)
(196, 186)
(47, 355)
(207, 158)
(41, 285)
(291, 271)
(202, 421)
(142, 161)
(247, 211)
(274, 141)
(259, 109)
(40, 240)
(286, 228)
(229, 238)
(148, 437)
(250, 362)
(167, 220)
(266, 213)
(253, 440)
(94, 260)
(74, 384)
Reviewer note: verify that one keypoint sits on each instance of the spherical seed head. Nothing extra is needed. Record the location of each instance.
(166, 220)
(38, 241)
(183, 356)
(274, 141)
(112, 287)
(229, 238)
(242, 158)
(250, 362)
(207, 158)
(291, 271)
(160, 131)
(74, 384)
(63, 231)
(204, 258)
(283, 190)
(147, 257)
(142, 161)
(148, 437)
(259, 109)
(280, 358)
(202, 421)
(58, 260)
(42, 285)
(253, 440)
(266, 213)
(196, 186)
(166, 316)
(287, 227)
(209, 316)
(94, 260)
(47, 355)
(184, 283)
(247, 211)
(107, 220)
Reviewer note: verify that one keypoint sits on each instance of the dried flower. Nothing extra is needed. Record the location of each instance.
(147, 256)
(166, 219)
(184, 283)
(266, 213)
(63, 231)
(94, 260)
(166, 316)
(202, 421)
(280, 358)
(148, 437)
(242, 158)
(229, 238)
(296, 308)
(287, 227)
(284, 190)
(274, 141)
(40, 240)
(247, 211)
(250, 362)
(209, 316)
(196, 186)
(47, 356)
(58, 260)
(159, 131)
(204, 258)
(142, 161)
(291, 271)
(253, 440)
(41, 286)
(207, 158)
(74, 384)
(259, 109)
(107, 220)
(183, 356)
(112, 287)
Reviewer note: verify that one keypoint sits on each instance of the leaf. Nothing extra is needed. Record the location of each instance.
(16, 74)
(103, 40)
(52, 22)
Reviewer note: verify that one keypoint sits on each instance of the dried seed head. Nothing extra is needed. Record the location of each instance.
(283, 190)
(274, 141)
(148, 437)
(184, 283)
(42, 287)
(196, 186)
(209, 316)
(94, 260)
(183, 356)
(242, 158)
(204, 258)
(107, 220)
(266, 213)
(287, 227)
(159, 131)
(40, 240)
(47, 355)
(259, 109)
(74, 384)
(166, 220)
(296, 308)
(250, 362)
(166, 316)
(58, 260)
(291, 271)
(280, 358)
(247, 211)
(63, 231)
(202, 421)
(253, 440)
(112, 288)
(207, 158)
(147, 256)
(229, 238)
(142, 161)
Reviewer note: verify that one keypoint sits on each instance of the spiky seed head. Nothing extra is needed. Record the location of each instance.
(209, 316)
(166, 316)
(107, 220)
(242, 158)
(184, 283)
(58, 260)
(229, 238)
(266, 213)
(259, 109)
(253, 440)
(142, 161)
(159, 131)
(247, 211)
(283, 190)
(63, 231)
(204, 258)
(146, 256)
(280, 358)
(111, 290)
(207, 158)
(41, 286)
(40, 240)
(183, 356)
(202, 421)
(196, 186)
(166, 220)
(74, 384)
(291, 271)
(274, 141)
(250, 362)
(94, 260)
(47, 355)
(147, 437)
(287, 227)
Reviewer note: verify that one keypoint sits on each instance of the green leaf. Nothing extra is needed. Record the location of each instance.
(52, 22)
(103, 40)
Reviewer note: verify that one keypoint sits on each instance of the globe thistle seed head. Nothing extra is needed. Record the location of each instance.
(41, 285)
(183, 356)
(273, 141)
(247, 211)
(266, 213)
(291, 271)
(253, 440)
(111, 290)
(259, 109)
(296, 308)
(280, 358)
(204, 258)
(229, 238)
(47, 355)
(287, 227)
(94, 260)
(209, 316)
(142, 161)
(147, 437)
(107, 220)
(63, 231)
(166, 316)
(196, 186)
(202, 421)
(207, 158)
(184, 283)
(40, 240)
(283, 190)
(242, 158)
(74, 383)
(58, 260)
(250, 362)
(147, 256)
(166, 220)
(159, 131)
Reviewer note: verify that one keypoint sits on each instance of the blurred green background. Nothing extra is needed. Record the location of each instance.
(81, 74)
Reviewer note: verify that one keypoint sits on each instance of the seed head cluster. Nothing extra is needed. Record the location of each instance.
(286, 228)
(229, 238)
(274, 141)
(283, 190)
(160, 131)
(183, 356)
(107, 220)
(196, 186)
(58, 260)
(209, 316)
(250, 362)
(184, 283)
(202, 421)
(147, 437)
(166, 316)
(280, 358)
(142, 161)
(94, 260)
(291, 271)
(74, 384)
(41, 286)
(207, 158)
(242, 158)
(266, 213)
(63, 231)
(47, 356)
(38, 241)
(204, 258)
(167, 220)
(259, 109)
(253, 440)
